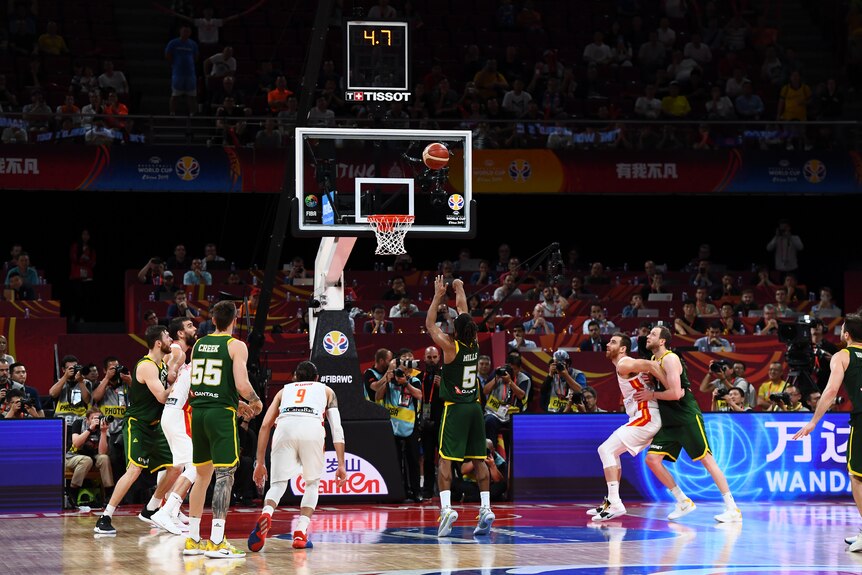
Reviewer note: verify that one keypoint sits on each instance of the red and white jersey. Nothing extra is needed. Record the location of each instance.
(640, 413)
(179, 396)
(303, 399)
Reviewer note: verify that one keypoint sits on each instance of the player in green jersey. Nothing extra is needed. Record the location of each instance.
(462, 428)
(219, 377)
(846, 366)
(681, 428)
(146, 446)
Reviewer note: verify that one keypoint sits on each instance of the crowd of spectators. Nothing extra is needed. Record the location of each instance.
(724, 306)
(512, 75)
(55, 84)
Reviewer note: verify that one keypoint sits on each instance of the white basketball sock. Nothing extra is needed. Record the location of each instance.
(446, 499)
(614, 492)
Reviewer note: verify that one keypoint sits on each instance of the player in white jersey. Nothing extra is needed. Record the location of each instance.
(636, 435)
(176, 425)
(297, 445)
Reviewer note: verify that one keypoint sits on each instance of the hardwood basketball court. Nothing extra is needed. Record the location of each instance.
(526, 538)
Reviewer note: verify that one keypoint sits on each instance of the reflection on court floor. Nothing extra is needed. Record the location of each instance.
(527, 539)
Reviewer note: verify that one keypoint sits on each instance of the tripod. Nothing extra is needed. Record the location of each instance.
(801, 378)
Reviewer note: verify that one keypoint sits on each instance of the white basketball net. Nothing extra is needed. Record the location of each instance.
(390, 231)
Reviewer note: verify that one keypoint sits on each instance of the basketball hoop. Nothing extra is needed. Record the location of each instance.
(390, 230)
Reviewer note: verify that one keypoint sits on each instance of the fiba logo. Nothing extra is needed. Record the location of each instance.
(187, 168)
(335, 343)
(311, 201)
(814, 171)
(456, 202)
(520, 170)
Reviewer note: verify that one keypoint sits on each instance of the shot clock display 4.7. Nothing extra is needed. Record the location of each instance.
(378, 56)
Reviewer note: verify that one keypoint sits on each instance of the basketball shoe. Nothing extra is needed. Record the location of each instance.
(257, 537)
(448, 516)
(612, 511)
(146, 515)
(857, 544)
(681, 509)
(729, 516)
(485, 520)
(300, 541)
(602, 506)
(166, 522)
(223, 550)
(193, 547)
(104, 527)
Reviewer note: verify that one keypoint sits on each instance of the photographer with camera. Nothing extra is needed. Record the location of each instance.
(111, 396)
(775, 384)
(721, 378)
(9, 382)
(563, 386)
(402, 397)
(19, 406)
(788, 400)
(89, 447)
(506, 394)
(71, 392)
(378, 375)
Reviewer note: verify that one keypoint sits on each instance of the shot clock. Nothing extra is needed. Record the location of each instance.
(378, 61)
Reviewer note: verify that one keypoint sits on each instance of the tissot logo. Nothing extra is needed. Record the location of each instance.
(377, 96)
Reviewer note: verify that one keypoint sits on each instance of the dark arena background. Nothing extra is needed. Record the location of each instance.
(619, 159)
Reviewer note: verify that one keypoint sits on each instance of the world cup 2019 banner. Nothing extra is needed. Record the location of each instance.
(226, 169)
(116, 168)
(555, 457)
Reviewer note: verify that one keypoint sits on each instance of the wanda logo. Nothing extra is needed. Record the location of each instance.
(357, 483)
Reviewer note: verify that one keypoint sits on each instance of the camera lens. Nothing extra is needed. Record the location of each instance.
(399, 372)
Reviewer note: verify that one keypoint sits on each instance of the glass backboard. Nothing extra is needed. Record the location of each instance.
(344, 175)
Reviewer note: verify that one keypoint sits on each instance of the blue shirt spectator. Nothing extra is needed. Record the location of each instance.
(27, 273)
(182, 52)
(748, 104)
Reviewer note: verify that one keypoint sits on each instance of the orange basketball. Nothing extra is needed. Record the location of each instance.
(435, 156)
